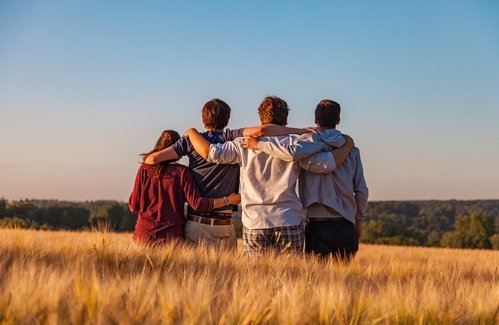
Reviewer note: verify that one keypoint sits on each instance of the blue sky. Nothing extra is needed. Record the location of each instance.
(87, 85)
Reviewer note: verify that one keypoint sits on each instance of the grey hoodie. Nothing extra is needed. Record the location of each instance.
(342, 188)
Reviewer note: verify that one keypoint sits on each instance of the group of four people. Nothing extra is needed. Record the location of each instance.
(265, 163)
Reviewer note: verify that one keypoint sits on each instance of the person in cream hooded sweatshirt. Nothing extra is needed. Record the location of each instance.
(335, 197)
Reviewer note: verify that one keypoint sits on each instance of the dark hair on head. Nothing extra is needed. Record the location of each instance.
(167, 138)
(216, 114)
(327, 113)
(273, 110)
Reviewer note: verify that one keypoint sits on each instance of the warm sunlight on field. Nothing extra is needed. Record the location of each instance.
(99, 278)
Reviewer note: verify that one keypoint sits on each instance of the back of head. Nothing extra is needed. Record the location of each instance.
(273, 110)
(166, 139)
(327, 113)
(216, 114)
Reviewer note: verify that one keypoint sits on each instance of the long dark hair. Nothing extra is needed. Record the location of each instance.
(167, 138)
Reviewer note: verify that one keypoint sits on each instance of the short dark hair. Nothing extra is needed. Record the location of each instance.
(273, 110)
(327, 113)
(216, 114)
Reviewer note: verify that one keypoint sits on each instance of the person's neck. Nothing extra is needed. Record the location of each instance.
(213, 130)
(322, 129)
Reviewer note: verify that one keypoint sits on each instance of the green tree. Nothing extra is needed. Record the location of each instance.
(16, 223)
(99, 213)
(494, 241)
(3, 207)
(129, 221)
(115, 216)
(399, 241)
(471, 231)
(475, 229)
(373, 230)
(65, 217)
(24, 210)
(433, 239)
(451, 239)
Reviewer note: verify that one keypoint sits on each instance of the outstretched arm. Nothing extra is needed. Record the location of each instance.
(200, 144)
(285, 151)
(272, 130)
(221, 153)
(200, 203)
(159, 156)
(327, 162)
(340, 154)
(320, 162)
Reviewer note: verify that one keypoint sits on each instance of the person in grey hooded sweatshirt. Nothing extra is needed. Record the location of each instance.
(335, 197)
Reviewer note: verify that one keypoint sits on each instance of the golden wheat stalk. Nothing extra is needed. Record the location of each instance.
(99, 278)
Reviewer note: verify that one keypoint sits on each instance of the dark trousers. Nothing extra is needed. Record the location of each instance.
(336, 237)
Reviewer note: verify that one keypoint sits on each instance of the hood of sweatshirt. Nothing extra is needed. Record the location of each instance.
(332, 137)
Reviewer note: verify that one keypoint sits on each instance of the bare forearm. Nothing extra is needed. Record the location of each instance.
(162, 155)
(341, 154)
(272, 130)
(200, 144)
(232, 199)
(358, 228)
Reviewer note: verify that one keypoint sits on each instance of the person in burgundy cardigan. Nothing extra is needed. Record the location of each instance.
(159, 194)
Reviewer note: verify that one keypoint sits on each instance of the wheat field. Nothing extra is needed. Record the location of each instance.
(100, 278)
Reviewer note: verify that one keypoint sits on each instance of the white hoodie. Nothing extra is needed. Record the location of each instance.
(341, 188)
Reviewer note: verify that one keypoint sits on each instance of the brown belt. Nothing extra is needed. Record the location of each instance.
(214, 215)
(209, 221)
(324, 219)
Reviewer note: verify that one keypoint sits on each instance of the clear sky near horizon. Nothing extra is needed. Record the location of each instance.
(85, 86)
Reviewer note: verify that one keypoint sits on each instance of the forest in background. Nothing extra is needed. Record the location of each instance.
(453, 223)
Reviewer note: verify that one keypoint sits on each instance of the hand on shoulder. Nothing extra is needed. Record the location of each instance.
(251, 143)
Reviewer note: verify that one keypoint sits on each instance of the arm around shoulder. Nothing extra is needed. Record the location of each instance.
(160, 156)
(272, 130)
(200, 144)
(294, 150)
(225, 153)
(341, 154)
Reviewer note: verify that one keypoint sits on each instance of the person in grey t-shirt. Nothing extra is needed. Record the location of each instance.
(335, 202)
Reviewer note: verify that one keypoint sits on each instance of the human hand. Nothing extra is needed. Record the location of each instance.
(148, 160)
(358, 230)
(349, 140)
(251, 143)
(306, 130)
(234, 198)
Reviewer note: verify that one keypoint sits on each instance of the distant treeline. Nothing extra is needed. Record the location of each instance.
(64, 215)
(460, 224)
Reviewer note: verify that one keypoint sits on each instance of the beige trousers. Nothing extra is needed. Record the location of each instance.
(216, 235)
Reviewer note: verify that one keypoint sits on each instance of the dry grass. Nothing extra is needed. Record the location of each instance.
(99, 278)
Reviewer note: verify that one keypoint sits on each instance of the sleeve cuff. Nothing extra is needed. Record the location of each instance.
(212, 154)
